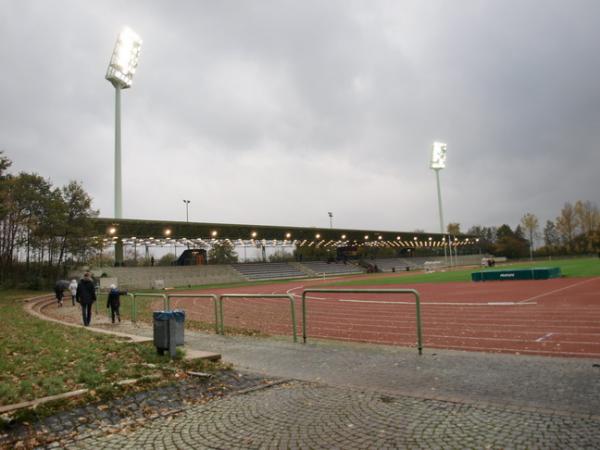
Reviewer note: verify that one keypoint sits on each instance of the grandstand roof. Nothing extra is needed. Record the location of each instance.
(161, 232)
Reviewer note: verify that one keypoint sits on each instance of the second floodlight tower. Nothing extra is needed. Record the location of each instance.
(122, 67)
(438, 162)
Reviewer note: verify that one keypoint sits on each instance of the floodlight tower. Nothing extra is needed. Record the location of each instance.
(187, 204)
(438, 162)
(122, 67)
(330, 219)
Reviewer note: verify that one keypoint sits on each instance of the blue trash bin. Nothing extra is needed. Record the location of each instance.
(179, 323)
(168, 325)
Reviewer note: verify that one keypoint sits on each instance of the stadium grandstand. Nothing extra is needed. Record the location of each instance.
(411, 250)
(121, 233)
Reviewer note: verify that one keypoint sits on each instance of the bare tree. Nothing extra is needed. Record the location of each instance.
(587, 217)
(566, 224)
(530, 224)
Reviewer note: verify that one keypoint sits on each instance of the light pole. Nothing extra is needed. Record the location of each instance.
(123, 64)
(438, 162)
(187, 204)
(330, 219)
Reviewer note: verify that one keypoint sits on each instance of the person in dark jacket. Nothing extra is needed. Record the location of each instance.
(86, 296)
(59, 292)
(114, 302)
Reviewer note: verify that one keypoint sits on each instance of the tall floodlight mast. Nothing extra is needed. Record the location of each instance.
(122, 67)
(438, 162)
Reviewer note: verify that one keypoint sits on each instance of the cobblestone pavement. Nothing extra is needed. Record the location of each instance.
(127, 412)
(308, 415)
(536, 382)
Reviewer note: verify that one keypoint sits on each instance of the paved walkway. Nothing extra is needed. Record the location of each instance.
(306, 415)
(363, 396)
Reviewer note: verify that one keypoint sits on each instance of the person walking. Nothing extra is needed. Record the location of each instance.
(73, 290)
(59, 288)
(86, 296)
(114, 302)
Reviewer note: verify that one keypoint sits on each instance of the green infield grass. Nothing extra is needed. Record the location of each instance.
(580, 267)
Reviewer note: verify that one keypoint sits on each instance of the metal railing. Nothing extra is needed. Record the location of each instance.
(142, 294)
(290, 297)
(367, 291)
(218, 321)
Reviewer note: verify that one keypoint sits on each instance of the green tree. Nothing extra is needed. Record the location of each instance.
(44, 224)
(510, 243)
(566, 224)
(486, 237)
(222, 252)
(453, 228)
(551, 237)
(5, 163)
(167, 260)
(76, 224)
(587, 217)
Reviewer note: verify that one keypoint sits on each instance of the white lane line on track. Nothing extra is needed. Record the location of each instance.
(290, 290)
(544, 337)
(558, 290)
(386, 302)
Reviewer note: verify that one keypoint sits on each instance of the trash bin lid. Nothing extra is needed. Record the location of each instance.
(179, 315)
(162, 315)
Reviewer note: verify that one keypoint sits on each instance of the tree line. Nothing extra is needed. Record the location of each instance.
(575, 231)
(44, 230)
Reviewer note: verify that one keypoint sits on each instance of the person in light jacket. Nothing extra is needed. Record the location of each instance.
(73, 290)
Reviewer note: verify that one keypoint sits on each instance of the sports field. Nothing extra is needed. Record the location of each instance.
(559, 317)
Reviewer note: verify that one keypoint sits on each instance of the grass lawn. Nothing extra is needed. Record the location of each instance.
(581, 267)
(39, 358)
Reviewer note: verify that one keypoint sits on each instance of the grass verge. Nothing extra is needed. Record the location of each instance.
(39, 359)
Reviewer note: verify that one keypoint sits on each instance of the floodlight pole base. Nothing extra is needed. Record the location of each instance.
(439, 193)
(118, 252)
(118, 187)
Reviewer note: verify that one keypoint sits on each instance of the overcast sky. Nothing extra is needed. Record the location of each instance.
(276, 112)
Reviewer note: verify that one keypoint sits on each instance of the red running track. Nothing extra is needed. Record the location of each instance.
(558, 317)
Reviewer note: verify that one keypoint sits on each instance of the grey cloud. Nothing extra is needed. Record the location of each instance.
(277, 112)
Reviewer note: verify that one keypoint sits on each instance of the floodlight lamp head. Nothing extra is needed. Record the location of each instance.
(438, 156)
(124, 60)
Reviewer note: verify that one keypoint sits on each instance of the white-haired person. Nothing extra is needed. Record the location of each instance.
(114, 302)
(73, 290)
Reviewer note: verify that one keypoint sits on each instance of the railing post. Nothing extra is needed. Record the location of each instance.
(292, 306)
(419, 328)
(221, 319)
(133, 312)
(304, 317)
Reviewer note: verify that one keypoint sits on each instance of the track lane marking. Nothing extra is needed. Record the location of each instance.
(544, 337)
(387, 302)
(535, 297)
